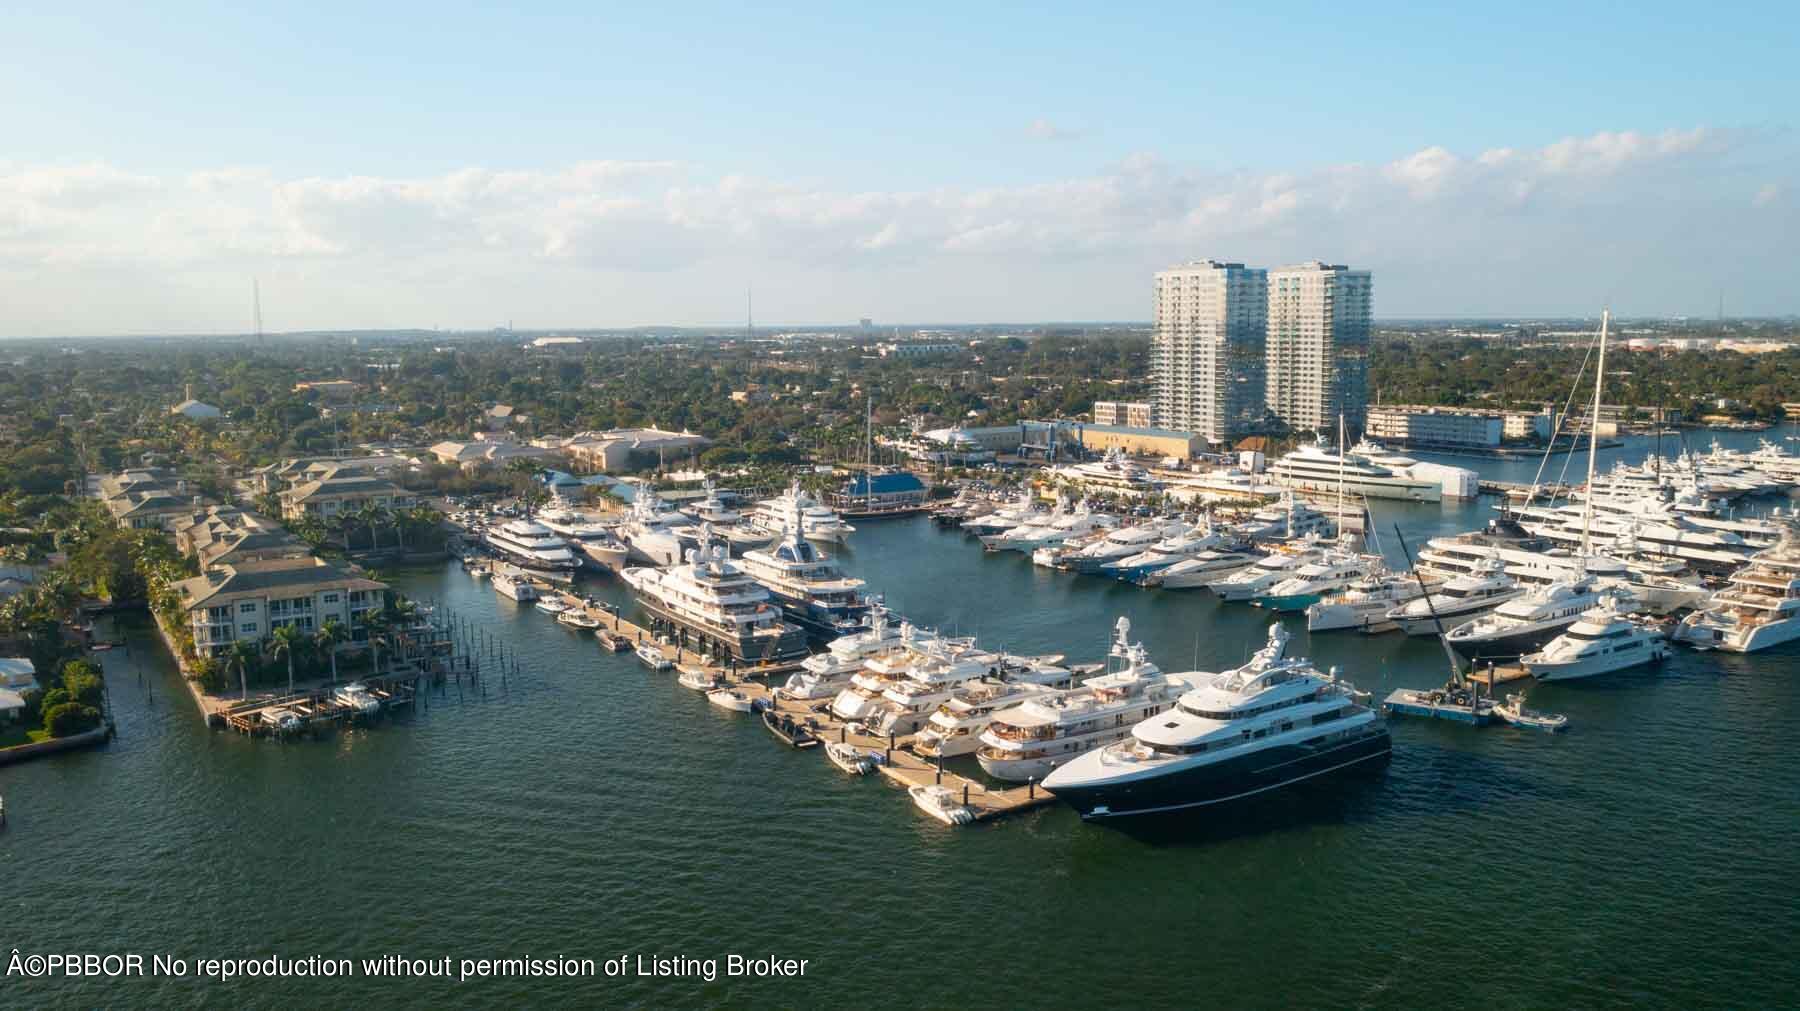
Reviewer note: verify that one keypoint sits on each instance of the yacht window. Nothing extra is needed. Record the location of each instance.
(1327, 716)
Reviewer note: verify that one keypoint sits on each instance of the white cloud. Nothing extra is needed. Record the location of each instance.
(618, 241)
(1043, 129)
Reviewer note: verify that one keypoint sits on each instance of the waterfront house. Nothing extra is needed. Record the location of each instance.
(342, 490)
(18, 677)
(250, 600)
(147, 498)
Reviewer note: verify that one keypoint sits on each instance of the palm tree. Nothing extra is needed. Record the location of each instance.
(345, 520)
(243, 652)
(330, 636)
(285, 640)
(372, 516)
(376, 624)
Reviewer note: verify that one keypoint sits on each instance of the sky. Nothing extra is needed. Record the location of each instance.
(601, 165)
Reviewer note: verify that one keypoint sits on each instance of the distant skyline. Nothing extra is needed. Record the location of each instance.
(412, 166)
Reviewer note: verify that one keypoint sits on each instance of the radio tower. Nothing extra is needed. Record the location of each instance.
(256, 309)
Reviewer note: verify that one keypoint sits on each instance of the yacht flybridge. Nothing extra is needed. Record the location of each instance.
(1273, 722)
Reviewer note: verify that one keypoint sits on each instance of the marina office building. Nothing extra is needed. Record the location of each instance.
(1234, 347)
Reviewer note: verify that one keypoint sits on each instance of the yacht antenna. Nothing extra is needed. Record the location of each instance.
(1587, 500)
(1455, 665)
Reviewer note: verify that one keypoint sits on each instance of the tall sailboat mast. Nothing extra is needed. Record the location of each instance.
(1587, 500)
(1340, 516)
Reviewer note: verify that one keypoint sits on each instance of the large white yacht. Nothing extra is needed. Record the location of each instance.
(1286, 521)
(1273, 722)
(1031, 740)
(1525, 622)
(596, 543)
(1048, 532)
(1603, 640)
(1321, 468)
(1120, 543)
(1758, 608)
(649, 530)
(1203, 569)
(1461, 599)
(715, 607)
(1112, 473)
(955, 728)
(1252, 581)
(511, 581)
(818, 522)
(727, 523)
(532, 546)
(863, 699)
(1005, 517)
(1340, 566)
(1183, 542)
(823, 675)
(1364, 604)
(816, 595)
(909, 705)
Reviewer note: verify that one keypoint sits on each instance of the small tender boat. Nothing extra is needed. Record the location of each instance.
(733, 699)
(281, 721)
(576, 618)
(789, 730)
(614, 641)
(652, 656)
(941, 803)
(852, 759)
(357, 696)
(1514, 712)
(551, 605)
(699, 680)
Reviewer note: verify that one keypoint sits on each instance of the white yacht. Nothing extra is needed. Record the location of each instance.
(1461, 599)
(823, 675)
(814, 593)
(509, 581)
(1112, 473)
(1252, 581)
(1286, 521)
(1181, 543)
(1340, 566)
(1031, 740)
(1321, 468)
(1525, 622)
(532, 546)
(1203, 569)
(716, 608)
(1118, 544)
(649, 530)
(595, 543)
(863, 700)
(1273, 722)
(1048, 532)
(955, 728)
(1603, 640)
(1758, 608)
(1022, 510)
(818, 523)
(909, 705)
(1364, 604)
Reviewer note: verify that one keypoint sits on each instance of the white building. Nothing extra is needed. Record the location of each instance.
(1317, 358)
(1119, 412)
(916, 349)
(1435, 426)
(250, 600)
(195, 410)
(1206, 350)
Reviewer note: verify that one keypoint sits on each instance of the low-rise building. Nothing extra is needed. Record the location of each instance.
(18, 678)
(330, 389)
(1119, 412)
(1435, 426)
(249, 601)
(916, 349)
(341, 490)
(1536, 426)
(194, 410)
(478, 453)
(147, 498)
(1138, 441)
(227, 535)
(622, 448)
(894, 492)
(299, 470)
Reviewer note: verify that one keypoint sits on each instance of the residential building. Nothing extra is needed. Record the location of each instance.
(479, 453)
(227, 535)
(147, 498)
(625, 448)
(1317, 352)
(1435, 426)
(1117, 412)
(18, 678)
(250, 600)
(1206, 350)
(1536, 426)
(342, 490)
(299, 470)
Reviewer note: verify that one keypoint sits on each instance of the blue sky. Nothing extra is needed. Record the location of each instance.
(580, 165)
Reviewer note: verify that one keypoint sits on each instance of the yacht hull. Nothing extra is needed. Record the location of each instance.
(789, 646)
(1197, 786)
(1512, 644)
(1289, 601)
(1593, 666)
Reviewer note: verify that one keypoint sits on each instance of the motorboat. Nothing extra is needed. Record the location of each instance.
(1602, 641)
(357, 698)
(577, 619)
(1181, 544)
(811, 590)
(1321, 468)
(1524, 623)
(1254, 580)
(1337, 568)
(1273, 722)
(1285, 521)
(942, 803)
(533, 547)
(1005, 517)
(551, 605)
(1514, 711)
(1203, 569)
(1364, 604)
(824, 674)
(1759, 606)
(699, 679)
(955, 728)
(652, 656)
(718, 608)
(818, 522)
(649, 530)
(1118, 544)
(734, 699)
(1028, 741)
(510, 582)
(1461, 599)
(853, 759)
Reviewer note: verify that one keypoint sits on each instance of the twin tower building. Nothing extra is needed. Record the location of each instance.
(1237, 350)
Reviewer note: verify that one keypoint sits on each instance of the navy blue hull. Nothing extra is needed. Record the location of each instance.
(1217, 783)
(1509, 647)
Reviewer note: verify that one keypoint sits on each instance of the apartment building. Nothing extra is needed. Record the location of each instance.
(1319, 319)
(249, 601)
(1207, 355)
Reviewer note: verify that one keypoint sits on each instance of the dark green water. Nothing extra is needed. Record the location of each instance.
(594, 810)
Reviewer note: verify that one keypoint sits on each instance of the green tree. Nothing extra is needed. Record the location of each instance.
(284, 642)
(330, 637)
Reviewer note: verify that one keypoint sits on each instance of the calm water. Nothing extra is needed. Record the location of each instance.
(594, 810)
